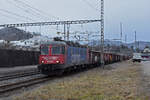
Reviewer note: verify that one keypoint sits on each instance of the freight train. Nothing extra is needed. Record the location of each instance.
(59, 56)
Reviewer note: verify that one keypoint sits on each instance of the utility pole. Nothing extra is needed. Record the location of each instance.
(135, 41)
(40, 30)
(102, 33)
(64, 31)
(125, 38)
(68, 31)
(25, 29)
(121, 33)
(138, 46)
(88, 38)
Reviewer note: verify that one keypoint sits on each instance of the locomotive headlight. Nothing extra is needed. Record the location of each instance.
(42, 62)
(57, 61)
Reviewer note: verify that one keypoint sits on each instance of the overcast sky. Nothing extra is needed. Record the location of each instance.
(134, 14)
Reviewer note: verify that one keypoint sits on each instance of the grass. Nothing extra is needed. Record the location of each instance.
(116, 84)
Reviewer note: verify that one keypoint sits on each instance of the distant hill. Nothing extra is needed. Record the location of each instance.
(141, 44)
(106, 42)
(14, 34)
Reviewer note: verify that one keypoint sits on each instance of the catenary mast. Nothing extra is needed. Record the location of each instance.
(102, 32)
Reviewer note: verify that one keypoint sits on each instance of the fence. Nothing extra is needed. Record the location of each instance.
(10, 58)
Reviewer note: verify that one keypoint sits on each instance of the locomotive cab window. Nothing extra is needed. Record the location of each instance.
(58, 50)
(44, 50)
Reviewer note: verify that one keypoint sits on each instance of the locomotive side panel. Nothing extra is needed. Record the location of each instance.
(76, 56)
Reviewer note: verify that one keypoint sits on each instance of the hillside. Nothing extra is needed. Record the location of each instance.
(14, 34)
(140, 44)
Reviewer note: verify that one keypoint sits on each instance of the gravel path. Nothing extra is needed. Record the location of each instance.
(146, 67)
(145, 78)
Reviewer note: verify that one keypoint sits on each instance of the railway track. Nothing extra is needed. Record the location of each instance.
(18, 75)
(25, 83)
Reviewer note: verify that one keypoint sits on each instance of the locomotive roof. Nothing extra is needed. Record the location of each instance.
(69, 43)
(54, 43)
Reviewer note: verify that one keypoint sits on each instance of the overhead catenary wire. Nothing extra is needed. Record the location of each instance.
(12, 17)
(23, 9)
(47, 14)
(37, 11)
(91, 5)
(15, 14)
(30, 9)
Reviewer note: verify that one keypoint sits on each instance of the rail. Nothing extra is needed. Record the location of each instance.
(18, 75)
(13, 86)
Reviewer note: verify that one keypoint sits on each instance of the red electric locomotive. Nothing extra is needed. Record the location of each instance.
(57, 56)
(52, 58)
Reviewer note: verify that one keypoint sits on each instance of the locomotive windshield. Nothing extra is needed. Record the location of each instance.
(58, 50)
(44, 50)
